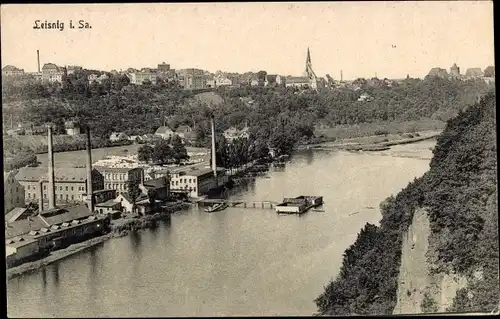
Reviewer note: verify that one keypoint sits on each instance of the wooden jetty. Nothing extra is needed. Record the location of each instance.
(240, 203)
(298, 205)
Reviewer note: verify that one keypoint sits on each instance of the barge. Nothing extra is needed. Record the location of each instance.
(299, 205)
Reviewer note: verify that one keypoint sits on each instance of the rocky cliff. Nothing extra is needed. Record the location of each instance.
(436, 249)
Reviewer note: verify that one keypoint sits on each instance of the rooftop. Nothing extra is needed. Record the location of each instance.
(14, 214)
(61, 174)
(163, 130)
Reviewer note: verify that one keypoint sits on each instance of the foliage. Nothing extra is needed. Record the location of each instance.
(134, 191)
(459, 192)
(26, 158)
(428, 304)
(179, 152)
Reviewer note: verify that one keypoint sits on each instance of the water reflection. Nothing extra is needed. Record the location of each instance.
(239, 261)
(309, 156)
(55, 271)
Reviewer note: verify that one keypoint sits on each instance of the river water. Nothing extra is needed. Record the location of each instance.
(240, 261)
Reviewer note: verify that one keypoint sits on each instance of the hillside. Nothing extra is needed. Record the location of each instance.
(458, 198)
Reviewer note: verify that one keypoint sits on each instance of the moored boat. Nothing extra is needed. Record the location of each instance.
(216, 207)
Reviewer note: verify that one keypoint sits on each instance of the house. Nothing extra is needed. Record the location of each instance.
(126, 201)
(118, 136)
(270, 79)
(13, 192)
(165, 132)
(194, 181)
(438, 72)
(49, 230)
(160, 187)
(145, 75)
(280, 80)
(72, 128)
(297, 81)
(108, 207)
(365, 97)
(186, 133)
(474, 73)
(72, 68)
(10, 70)
(70, 183)
(52, 72)
(116, 178)
(102, 195)
(233, 133)
(92, 78)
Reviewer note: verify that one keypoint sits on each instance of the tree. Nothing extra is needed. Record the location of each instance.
(134, 191)
(145, 153)
(179, 151)
(162, 152)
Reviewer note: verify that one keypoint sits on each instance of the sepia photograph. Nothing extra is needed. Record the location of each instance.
(250, 159)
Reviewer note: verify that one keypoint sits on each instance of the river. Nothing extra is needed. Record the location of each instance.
(240, 261)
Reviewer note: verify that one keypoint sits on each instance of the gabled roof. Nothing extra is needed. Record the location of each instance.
(63, 174)
(183, 129)
(24, 226)
(156, 183)
(297, 79)
(14, 214)
(163, 130)
(10, 68)
(68, 214)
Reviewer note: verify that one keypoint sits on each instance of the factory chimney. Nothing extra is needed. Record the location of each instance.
(38, 59)
(341, 76)
(40, 194)
(90, 197)
(52, 189)
(214, 164)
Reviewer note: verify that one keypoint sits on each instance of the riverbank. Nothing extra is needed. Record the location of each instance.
(375, 142)
(119, 228)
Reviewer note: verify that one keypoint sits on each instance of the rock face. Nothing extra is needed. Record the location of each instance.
(437, 248)
(420, 291)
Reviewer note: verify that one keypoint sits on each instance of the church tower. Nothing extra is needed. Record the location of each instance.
(310, 72)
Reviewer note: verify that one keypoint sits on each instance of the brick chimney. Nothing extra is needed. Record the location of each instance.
(90, 197)
(214, 164)
(52, 188)
(40, 194)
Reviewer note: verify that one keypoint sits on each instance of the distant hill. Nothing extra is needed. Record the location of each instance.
(458, 196)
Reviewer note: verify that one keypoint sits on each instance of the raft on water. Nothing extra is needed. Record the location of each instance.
(298, 205)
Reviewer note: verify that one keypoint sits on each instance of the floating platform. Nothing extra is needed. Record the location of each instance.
(299, 205)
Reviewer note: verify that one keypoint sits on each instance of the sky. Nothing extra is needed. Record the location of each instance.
(363, 39)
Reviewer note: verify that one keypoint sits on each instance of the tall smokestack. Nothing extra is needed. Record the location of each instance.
(214, 164)
(52, 189)
(38, 59)
(341, 76)
(90, 198)
(40, 193)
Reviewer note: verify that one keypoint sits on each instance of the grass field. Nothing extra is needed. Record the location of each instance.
(393, 129)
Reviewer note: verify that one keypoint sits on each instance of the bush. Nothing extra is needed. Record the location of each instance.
(381, 132)
(428, 304)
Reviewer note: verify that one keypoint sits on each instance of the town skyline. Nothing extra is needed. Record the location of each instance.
(385, 40)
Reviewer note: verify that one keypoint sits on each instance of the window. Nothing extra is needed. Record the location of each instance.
(17, 189)
(72, 197)
(66, 188)
(61, 196)
(28, 186)
(44, 187)
(45, 196)
(71, 187)
(29, 195)
(67, 197)
(60, 188)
